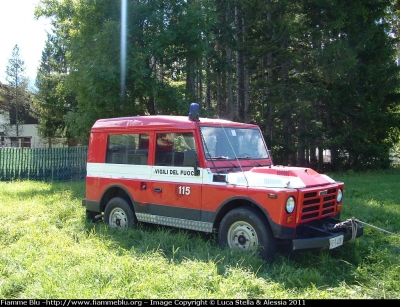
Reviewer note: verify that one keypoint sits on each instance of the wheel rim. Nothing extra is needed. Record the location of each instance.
(118, 219)
(242, 235)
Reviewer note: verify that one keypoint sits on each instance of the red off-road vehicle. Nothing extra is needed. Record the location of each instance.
(210, 175)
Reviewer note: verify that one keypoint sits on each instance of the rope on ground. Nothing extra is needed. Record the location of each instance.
(383, 230)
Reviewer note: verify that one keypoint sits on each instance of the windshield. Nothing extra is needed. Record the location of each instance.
(233, 143)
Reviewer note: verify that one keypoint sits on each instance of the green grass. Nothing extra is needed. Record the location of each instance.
(49, 250)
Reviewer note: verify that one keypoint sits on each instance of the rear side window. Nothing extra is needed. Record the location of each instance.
(128, 149)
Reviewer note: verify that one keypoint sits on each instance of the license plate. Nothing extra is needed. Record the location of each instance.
(335, 242)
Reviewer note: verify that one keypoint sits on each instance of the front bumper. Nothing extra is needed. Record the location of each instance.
(323, 234)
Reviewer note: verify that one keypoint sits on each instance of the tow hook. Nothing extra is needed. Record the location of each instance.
(346, 223)
(349, 223)
(98, 217)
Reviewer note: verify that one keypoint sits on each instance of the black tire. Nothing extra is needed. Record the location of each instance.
(243, 228)
(119, 214)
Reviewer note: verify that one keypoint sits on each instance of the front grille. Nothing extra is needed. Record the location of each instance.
(317, 204)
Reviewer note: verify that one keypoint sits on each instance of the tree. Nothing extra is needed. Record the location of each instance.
(355, 61)
(17, 96)
(314, 74)
(165, 47)
(51, 104)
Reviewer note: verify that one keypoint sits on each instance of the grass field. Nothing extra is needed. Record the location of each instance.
(49, 250)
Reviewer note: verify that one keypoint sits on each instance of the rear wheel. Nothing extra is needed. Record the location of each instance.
(119, 214)
(244, 229)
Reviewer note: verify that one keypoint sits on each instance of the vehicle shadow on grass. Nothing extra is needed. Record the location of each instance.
(301, 269)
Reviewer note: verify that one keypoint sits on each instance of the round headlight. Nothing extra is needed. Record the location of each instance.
(339, 196)
(290, 204)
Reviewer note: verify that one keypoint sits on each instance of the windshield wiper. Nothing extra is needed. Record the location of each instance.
(249, 158)
(219, 158)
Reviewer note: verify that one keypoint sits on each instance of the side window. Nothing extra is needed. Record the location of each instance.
(128, 149)
(170, 148)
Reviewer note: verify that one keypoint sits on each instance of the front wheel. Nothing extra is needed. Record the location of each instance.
(244, 229)
(119, 214)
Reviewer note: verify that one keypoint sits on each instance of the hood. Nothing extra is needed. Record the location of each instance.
(280, 177)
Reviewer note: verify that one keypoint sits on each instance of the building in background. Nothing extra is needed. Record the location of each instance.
(26, 134)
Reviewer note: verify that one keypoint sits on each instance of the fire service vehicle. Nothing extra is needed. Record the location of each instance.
(210, 175)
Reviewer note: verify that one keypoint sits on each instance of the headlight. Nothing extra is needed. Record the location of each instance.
(290, 204)
(339, 196)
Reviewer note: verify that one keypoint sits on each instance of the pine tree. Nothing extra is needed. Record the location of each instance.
(50, 104)
(17, 96)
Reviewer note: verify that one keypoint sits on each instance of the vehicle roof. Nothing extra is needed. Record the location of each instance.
(161, 122)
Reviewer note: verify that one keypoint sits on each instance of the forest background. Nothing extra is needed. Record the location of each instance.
(315, 75)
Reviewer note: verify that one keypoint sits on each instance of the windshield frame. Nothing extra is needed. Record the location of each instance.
(235, 143)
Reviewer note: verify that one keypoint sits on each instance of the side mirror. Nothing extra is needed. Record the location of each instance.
(190, 159)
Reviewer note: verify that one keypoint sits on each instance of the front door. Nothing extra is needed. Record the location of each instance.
(174, 190)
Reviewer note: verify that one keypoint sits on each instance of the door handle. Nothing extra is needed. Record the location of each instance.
(158, 190)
